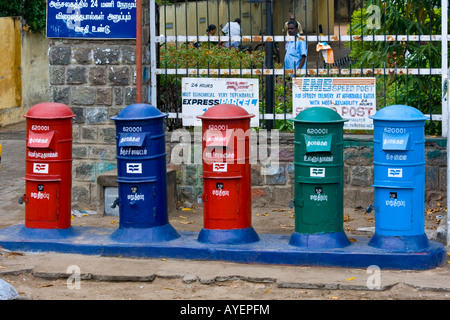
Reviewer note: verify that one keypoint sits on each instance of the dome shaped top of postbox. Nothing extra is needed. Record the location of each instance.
(49, 110)
(139, 111)
(319, 115)
(399, 113)
(226, 111)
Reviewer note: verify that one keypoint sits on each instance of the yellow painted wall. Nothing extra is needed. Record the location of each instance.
(252, 14)
(10, 73)
(24, 70)
(218, 14)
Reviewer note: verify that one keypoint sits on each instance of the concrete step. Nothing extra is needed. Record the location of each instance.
(107, 191)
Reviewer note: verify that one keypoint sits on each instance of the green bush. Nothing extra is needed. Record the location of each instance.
(207, 56)
(417, 17)
(33, 11)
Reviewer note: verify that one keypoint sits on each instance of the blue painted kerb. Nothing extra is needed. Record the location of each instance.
(319, 240)
(269, 249)
(231, 236)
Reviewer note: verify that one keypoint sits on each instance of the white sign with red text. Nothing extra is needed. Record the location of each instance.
(353, 98)
(200, 94)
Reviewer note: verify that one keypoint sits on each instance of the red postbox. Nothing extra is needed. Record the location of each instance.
(48, 170)
(226, 176)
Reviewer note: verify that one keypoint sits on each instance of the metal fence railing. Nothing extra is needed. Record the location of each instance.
(403, 44)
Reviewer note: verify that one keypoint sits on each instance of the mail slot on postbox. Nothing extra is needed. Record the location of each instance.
(48, 178)
(141, 175)
(319, 179)
(399, 178)
(226, 176)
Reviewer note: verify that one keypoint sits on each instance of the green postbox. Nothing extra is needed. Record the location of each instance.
(319, 179)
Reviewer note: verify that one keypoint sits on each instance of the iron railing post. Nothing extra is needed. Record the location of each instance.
(269, 64)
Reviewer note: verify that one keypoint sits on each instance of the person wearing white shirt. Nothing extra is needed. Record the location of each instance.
(232, 29)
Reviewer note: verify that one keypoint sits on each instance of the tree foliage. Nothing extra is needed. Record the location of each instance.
(410, 18)
(33, 11)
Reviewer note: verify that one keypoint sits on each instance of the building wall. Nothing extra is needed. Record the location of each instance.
(275, 186)
(10, 75)
(193, 18)
(35, 71)
(23, 70)
(96, 79)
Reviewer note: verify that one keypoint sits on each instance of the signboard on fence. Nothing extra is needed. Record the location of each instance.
(199, 94)
(91, 19)
(353, 98)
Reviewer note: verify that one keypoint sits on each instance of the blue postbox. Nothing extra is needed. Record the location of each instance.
(141, 175)
(399, 179)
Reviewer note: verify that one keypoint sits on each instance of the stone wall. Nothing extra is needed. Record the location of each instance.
(96, 79)
(275, 186)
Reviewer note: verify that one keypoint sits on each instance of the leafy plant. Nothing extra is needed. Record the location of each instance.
(283, 102)
(422, 17)
(33, 11)
(207, 56)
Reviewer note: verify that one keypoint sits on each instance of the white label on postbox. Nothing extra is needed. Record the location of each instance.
(134, 167)
(221, 193)
(40, 167)
(220, 166)
(40, 195)
(317, 172)
(395, 173)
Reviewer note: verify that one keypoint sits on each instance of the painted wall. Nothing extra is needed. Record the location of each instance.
(193, 18)
(23, 70)
(10, 74)
(35, 71)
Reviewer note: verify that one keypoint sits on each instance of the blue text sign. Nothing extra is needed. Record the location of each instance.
(91, 19)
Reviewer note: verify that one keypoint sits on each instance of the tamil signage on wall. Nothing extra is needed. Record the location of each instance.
(91, 19)
(353, 98)
(199, 94)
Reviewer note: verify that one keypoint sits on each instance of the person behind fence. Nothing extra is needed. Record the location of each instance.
(296, 51)
(292, 18)
(232, 29)
(210, 32)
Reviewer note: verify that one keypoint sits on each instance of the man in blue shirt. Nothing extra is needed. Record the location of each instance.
(296, 51)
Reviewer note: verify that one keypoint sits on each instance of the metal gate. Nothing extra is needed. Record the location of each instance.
(403, 44)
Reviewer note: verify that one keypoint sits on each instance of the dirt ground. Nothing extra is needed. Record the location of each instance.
(34, 288)
(274, 220)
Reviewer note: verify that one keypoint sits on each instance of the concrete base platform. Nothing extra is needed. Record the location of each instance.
(108, 179)
(270, 249)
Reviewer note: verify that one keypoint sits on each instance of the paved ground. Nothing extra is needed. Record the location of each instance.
(54, 276)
